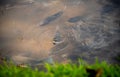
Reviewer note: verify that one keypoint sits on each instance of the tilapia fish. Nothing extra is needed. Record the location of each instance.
(51, 18)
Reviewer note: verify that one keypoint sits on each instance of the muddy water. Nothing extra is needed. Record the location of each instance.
(34, 30)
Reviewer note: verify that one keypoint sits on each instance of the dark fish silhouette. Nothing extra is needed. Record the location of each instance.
(51, 18)
(75, 19)
(58, 38)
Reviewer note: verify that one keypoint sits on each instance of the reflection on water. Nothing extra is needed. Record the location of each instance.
(31, 31)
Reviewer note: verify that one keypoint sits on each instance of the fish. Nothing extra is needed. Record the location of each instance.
(51, 18)
(58, 38)
(75, 19)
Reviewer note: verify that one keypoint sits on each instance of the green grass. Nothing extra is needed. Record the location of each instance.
(61, 70)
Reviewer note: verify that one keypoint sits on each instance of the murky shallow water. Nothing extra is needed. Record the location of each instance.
(33, 30)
